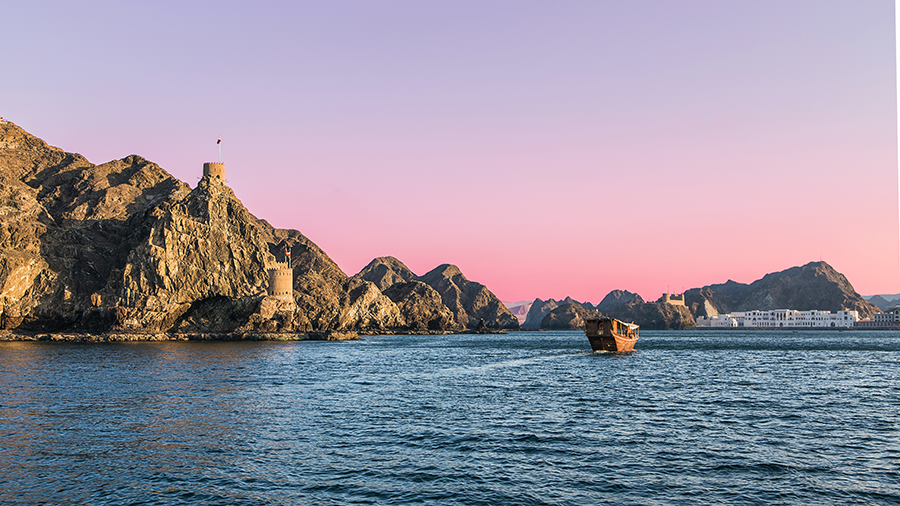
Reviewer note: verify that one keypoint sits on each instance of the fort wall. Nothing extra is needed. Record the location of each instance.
(214, 169)
(281, 281)
(675, 299)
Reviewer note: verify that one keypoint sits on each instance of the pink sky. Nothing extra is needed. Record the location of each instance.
(547, 149)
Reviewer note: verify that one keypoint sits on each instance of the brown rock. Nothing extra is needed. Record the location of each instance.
(654, 315)
(421, 306)
(569, 316)
(618, 298)
(203, 250)
(467, 300)
(538, 311)
(385, 271)
(326, 298)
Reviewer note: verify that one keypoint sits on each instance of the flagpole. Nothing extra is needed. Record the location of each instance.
(219, 142)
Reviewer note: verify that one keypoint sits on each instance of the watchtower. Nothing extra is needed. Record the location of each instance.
(214, 169)
(281, 281)
(675, 299)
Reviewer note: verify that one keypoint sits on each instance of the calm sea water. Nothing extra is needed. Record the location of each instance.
(525, 418)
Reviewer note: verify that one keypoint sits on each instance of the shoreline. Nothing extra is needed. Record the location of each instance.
(121, 337)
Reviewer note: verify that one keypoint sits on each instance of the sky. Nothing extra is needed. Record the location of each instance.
(548, 149)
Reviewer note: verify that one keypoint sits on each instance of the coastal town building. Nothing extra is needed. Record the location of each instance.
(889, 319)
(721, 320)
(782, 318)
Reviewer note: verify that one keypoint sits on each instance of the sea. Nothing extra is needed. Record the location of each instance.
(532, 418)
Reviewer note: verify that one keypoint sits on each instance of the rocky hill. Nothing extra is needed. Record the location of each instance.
(126, 247)
(467, 302)
(568, 316)
(538, 311)
(815, 285)
(520, 310)
(385, 271)
(618, 298)
(883, 303)
(654, 315)
(67, 228)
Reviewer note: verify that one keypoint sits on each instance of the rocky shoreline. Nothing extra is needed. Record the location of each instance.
(119, 337)
(125, 250)
(113, 337)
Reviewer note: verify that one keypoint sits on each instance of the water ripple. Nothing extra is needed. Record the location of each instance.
(525, 418)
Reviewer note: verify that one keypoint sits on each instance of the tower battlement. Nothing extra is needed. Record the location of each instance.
(214, 169)
(281, 281)
(675, 299)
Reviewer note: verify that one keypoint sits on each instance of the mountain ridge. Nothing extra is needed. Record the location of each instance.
(124, 247)
(815, 285)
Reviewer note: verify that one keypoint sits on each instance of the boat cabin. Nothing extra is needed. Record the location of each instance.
(609, 327)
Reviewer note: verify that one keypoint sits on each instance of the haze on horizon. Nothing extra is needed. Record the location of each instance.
(546, 149)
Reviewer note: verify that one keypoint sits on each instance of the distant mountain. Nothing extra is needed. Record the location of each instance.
(519, 310)
(883, 302)
(886, 296)
(536, 313)
(815, 285)
(466, 302)
(568, 316)
(617, 298)
(654, 315)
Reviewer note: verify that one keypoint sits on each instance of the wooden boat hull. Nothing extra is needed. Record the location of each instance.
(613, 343)
(609, 334)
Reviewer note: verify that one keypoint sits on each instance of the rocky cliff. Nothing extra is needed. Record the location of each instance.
(124, 247)
(654, 315)
(568, 316)
(617, 298)
(202, 250)
(66, 226)
(385, 271)
(421, 306)
(466, 302)
(539, 309)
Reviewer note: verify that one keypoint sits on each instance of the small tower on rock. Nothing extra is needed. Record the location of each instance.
(281, 278)
(214, 169)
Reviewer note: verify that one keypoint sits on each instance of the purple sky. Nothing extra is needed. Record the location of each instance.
(548, 149)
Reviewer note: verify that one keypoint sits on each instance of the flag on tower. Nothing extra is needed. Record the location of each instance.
(287, 253)
(219, 141)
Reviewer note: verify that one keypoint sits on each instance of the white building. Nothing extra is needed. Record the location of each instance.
(891, 315)
(722, 320)
(889, 319)
(782, 318)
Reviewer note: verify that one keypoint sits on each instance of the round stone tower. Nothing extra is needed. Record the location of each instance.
(281, 281)
(214, 169)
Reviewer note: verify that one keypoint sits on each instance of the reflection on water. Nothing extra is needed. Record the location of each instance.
(531, 417)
